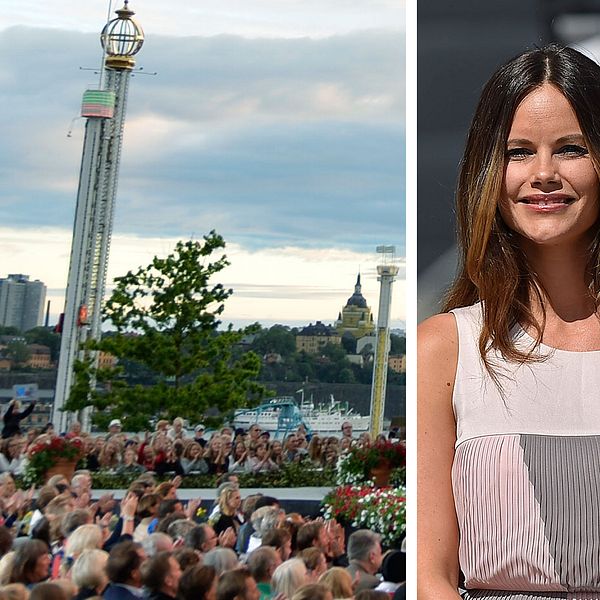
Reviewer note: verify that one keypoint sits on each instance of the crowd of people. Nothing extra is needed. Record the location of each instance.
(57, 542)
(171, 449)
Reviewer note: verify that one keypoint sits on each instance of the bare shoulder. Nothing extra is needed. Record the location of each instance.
(437, 344)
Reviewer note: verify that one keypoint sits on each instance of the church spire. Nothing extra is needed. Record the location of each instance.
(357, 287)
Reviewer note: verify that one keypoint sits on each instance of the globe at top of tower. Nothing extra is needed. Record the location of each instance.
(122, 37)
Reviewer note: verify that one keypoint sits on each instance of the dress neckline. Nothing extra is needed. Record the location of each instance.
(531, 342)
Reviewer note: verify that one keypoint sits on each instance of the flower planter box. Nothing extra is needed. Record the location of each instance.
(62, 466)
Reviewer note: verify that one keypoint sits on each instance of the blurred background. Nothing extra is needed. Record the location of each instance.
(460, 44)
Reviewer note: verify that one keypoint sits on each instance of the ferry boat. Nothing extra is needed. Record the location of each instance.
(281, 415)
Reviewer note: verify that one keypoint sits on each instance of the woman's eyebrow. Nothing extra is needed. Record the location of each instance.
(573, 137)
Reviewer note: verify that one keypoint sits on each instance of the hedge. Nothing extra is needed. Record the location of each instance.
(289, 476)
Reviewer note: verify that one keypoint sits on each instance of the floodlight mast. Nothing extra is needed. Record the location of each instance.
(387, 272)
(105, 110)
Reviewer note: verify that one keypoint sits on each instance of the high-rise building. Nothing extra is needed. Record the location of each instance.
(21, 302)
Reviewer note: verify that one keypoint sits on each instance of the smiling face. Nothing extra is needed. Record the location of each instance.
(550, 191)
(234, 501)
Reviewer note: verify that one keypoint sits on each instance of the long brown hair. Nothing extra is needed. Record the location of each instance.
(493, 268)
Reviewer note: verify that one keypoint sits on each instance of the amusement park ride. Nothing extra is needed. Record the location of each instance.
(104, 109)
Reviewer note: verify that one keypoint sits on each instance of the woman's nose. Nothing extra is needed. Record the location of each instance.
(544, 170)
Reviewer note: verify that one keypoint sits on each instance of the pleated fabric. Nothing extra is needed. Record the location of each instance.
(508, 595)
(526, 472)
(503, 544)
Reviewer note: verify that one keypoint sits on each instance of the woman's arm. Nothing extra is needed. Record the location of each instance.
(27, 411)
(437, 556)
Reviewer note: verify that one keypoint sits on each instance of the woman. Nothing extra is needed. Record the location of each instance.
(193, 460)
(216, 456)
(339, 581)
(147, 457)
(288, 577)
(110, 456)
(330, 458)
(89, 575)
(31, 563)
(261, 462)
(12, 456)
(147, 510)
(167, 462)
(12, 418)
(277, 453)
(313, 591)
(228, 514)
(315, 450)
(85, 537)
(239, 461)
(508, 379)
(93, 447)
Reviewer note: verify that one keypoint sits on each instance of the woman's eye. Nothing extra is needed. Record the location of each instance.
(573, 150)
(518, 153)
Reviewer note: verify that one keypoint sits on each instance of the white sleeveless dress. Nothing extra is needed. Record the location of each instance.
(526, 472)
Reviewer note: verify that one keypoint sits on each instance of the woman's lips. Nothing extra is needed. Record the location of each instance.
(546, 203)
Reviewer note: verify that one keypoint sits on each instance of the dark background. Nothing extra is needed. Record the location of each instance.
(459, 45)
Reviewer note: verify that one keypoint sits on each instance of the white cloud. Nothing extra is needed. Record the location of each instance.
(282, 128)
(286, 285)
(263, 18)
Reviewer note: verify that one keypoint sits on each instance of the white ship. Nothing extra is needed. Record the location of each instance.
(281, 415)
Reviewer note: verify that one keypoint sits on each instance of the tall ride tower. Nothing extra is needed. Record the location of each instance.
(104, 109)
(387, 272)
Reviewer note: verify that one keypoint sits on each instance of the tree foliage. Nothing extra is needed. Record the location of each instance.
(278, 339)
(45, 337)
(397, 344)
(18, 352)
(166, 319)
(329, 365)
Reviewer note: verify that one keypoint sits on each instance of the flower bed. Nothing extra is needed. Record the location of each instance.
(46, 453)
(355, 466)
(382, 510)
(359, 503)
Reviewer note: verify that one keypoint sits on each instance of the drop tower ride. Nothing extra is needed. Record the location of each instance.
(104, 109)
(387, 272)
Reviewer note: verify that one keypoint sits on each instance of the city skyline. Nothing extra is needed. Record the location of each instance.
(286, 136)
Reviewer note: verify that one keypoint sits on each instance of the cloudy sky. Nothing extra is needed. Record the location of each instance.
(279, 123)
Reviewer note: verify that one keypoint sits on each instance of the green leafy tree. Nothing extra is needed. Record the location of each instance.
(277, 339)
(346, 375)
(45, 337)
(9, 330)
(166, 321)
(349, 343)
(18, 352)
(397, 344)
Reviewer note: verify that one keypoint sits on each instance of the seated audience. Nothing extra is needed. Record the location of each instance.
(198, 583)
(160, 576)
